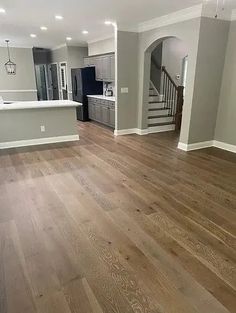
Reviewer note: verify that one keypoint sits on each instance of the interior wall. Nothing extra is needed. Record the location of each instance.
(209, 70)
(58, 55)
(75, 58)
(13, 87)
(188, 32)
(127, 75)
(101, 46)
(173, 52)
(226, 118)
(156, 73)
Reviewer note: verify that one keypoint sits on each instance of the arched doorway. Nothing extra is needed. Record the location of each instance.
(168, 77)
(147, 43)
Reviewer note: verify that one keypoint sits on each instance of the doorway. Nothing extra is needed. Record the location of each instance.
(53, 81)
(41, 82)
(63, 81)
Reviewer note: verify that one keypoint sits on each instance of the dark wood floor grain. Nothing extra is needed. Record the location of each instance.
(123, 225)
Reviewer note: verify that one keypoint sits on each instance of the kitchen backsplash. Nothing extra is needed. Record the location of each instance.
(110, 85)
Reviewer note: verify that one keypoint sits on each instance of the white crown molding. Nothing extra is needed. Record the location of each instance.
(175, 17)
(38, 141)
(196, 11)
(20, 90)
(101, 39)
(12, 45)
(59, 46)
(233, 15)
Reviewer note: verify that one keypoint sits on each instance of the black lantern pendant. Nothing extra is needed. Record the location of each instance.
(10, 66)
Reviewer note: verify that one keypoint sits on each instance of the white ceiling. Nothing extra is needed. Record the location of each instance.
(24, 17)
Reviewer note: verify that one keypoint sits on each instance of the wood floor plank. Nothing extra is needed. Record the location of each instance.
(123, 224)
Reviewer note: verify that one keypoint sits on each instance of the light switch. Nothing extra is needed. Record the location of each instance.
(42, 128)
(124, 90)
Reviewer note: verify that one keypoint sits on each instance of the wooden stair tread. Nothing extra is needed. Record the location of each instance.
(158, 109)
(152, 102)
(159, 116)
(161, 124)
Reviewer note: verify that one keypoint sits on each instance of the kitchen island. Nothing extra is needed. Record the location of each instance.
(28, 123)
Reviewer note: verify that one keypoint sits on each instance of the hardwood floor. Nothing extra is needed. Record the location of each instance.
(126, 224)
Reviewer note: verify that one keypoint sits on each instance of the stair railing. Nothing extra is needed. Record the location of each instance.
(173, 95)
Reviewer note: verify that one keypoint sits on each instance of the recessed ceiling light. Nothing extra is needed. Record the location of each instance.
(85, 32)
(2, 10)
(43, 28)
(108, 22)
(58, 17)
(33, 36)
(68, 38)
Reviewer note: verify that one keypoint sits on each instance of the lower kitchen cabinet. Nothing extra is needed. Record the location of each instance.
(102, 111)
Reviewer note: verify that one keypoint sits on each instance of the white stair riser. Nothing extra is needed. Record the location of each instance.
(152, 93)
(156, 105)
(153, 98)
(167, 119)
(158, 112)
(159, 129)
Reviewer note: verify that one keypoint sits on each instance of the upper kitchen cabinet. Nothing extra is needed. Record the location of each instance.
(105, 66)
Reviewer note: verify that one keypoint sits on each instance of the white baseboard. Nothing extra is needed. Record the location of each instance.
(195, 146)
(224, 146)
(146, 131)
(38, 141)
(207, 144)
(125, 131)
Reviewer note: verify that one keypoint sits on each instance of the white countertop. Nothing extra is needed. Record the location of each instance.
(38, 104)
(102, 97)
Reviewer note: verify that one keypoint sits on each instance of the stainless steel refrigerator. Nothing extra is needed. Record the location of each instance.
(84, 83)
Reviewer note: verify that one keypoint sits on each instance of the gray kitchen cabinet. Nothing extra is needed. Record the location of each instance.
(105, 66)
(98, 112)
(102, 111)
(105, 115)
(91, 109)
(112, 118)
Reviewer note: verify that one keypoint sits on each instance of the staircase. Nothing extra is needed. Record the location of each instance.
(158, 112)
(165, 111)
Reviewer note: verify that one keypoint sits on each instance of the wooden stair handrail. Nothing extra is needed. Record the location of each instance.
(163, 68)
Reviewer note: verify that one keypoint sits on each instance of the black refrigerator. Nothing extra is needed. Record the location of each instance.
(84, 83)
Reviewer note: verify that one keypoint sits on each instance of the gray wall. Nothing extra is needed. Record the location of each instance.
(23, 83)
(188, 32)
(210, 62)
(226, 119)
(25, 124)
(58, 55)
(102, 46)
(156, 73)
(75, 58)
(174, 50)
(127, 75)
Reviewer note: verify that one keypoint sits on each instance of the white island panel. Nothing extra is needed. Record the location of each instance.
(37, 122)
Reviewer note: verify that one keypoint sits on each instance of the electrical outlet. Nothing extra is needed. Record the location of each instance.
(42, 128)
(124, 90)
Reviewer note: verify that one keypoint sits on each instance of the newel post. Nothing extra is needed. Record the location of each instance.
(179, 107)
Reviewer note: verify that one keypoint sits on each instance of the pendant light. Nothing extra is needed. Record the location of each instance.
(10, 66)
